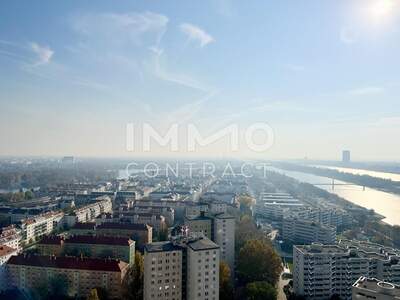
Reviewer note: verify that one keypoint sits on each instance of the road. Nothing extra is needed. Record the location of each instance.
(281, 284)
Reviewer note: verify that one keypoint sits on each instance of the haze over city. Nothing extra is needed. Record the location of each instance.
(323, 74)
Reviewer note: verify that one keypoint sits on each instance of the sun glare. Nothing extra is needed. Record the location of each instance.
(379, 10)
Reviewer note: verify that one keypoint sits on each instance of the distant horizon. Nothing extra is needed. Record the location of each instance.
(210, 158)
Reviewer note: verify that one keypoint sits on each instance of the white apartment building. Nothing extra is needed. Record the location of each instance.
(321, 271)
(299, 231)
(90, 212)
(10, 236)
(371, 288)
(183, 268)
(272, 206)
(326, 215)
(34, 228)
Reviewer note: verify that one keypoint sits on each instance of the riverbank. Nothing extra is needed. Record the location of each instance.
(381, 184)
(370, 200)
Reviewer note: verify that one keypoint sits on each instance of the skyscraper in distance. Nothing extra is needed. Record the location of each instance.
(346, 156)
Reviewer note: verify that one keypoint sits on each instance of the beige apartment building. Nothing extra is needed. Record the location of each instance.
(183, 268)
(202, 270)
(163, 271)
(94, 246)
(218, 227)
(81, 274)
(141, 233)
(200, 224)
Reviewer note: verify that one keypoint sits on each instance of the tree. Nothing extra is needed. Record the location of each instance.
(260, 290)
(93, 295)
(246, 229)
(29, 195)
(246, 202)
(132, 285)
(258, 261)
(225, 285)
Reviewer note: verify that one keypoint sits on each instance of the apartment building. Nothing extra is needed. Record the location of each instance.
(321, 271)
(155, 220)
(141, 233)
(167, 212)
(225, 197)
(183, 268)
(194, 209)
(224, 236)
(122, 248)
(272, 206)
(371, 288)
(218, 226)
(5, 254)
(44, 224)
(200, 224)
(325, 214)
(81, 274)
(11, 236)
(163, 271)
(300, 231)
(83, 229)
(50, 245)
(90, 212)
(202, 270)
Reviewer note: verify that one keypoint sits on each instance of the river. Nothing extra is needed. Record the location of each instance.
(384, 175)
(383, 203)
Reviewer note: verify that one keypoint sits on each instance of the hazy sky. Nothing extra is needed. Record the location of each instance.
(325, 75)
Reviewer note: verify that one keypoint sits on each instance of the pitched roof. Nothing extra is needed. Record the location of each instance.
(99, 240)
(51, 240)
(5, 250)
(77, 263)
(123, 226)
(84, 226)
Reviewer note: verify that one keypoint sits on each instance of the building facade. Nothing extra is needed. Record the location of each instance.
(183, 268)
(299, 231)
(371, 288)
(321, 271)
(80, 274)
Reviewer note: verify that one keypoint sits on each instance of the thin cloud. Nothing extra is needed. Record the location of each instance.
(44, 54)
(30, 55)
(177, 78)
(196, 34)
(120, 28)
